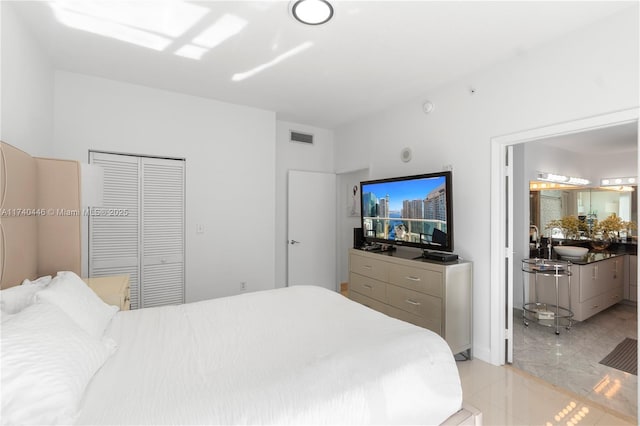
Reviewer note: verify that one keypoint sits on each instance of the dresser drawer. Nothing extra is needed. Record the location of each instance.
(418, 279)
(433, 324)
(368, 286)
(368, 267)
(367, 301)
(420, 304)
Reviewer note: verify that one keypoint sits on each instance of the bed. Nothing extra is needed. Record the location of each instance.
(297, 355)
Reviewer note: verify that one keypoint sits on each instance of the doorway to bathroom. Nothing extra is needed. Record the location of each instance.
(536, 346)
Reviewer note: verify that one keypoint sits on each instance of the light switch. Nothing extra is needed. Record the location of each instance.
(199, 229)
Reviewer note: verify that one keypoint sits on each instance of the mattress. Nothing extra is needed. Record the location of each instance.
(298, 355)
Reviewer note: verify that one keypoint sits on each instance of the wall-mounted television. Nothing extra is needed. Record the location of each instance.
(414, 211)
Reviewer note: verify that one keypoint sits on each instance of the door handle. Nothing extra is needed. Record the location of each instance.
(292, 242)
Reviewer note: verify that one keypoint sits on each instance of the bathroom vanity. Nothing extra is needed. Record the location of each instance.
(597, 282)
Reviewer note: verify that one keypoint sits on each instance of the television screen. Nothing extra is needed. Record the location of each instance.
(412, 211)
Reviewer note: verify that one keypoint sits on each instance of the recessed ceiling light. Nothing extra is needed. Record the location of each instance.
(312, 12)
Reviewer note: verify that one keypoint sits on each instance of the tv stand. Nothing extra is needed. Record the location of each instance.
(439, 256)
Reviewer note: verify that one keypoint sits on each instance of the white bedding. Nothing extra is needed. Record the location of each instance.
(299, 355)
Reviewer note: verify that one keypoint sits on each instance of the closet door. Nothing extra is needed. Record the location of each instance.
(114, 240)
(148, 242)
(162, 232)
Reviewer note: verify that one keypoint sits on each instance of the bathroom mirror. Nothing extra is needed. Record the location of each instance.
(598, 203)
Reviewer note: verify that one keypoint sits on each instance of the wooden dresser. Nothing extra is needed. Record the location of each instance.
(432, 295)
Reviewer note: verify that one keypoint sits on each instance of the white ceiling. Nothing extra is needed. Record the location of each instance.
(372, 55)
(619, 139)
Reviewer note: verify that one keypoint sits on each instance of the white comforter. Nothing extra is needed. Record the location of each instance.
(299, 355)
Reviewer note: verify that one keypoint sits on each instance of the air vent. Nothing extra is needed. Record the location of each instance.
(301, 137)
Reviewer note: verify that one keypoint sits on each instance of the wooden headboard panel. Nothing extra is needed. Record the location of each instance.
(40, 216)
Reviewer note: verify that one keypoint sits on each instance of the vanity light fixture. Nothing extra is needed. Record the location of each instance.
(569, 180)
(619, 181)
(312, 12)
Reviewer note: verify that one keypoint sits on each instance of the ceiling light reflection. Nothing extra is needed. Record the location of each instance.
(192, 52)
(148, 24)
(603, 383)
(567, 411)
(110, 29)
(244, 75)
(168, 18)
(225, 27)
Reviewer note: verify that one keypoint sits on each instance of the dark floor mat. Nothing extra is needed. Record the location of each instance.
(624, 357)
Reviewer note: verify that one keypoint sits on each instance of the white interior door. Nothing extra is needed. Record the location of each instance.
(508, 193)
(311, 229)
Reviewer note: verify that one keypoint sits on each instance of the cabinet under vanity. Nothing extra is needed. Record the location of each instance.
(598, 281)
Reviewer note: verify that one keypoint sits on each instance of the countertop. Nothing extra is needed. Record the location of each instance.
(614, 250)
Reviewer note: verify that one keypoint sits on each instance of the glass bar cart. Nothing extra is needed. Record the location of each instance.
(550, 315)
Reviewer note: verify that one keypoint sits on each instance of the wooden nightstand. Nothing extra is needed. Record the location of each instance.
(112, 290)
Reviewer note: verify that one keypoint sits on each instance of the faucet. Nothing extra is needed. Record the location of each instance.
(536, 235)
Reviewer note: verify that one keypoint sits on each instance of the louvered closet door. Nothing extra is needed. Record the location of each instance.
(147, 243)
(162, 232)
(114, 241)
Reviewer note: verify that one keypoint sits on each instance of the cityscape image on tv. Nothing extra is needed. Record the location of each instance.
(411, 210)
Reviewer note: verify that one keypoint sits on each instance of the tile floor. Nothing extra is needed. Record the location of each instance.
(508, 396)
(571, 360)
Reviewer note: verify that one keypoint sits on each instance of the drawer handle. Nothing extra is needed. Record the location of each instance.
(413, 278)
(370, 287)
(367, 266)
(412, 302)
(595, 306)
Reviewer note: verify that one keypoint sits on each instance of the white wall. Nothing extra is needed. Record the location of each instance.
(230, 169)
(345, 221)
(27, 88)
(586, 73)
(594, 167)
(318, 157)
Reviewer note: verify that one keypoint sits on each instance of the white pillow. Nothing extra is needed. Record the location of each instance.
(42, 281)
(16, 298)
(46, 363)
(76, 299)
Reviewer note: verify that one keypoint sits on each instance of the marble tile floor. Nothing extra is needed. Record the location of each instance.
(509, 396)
(571, 360)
